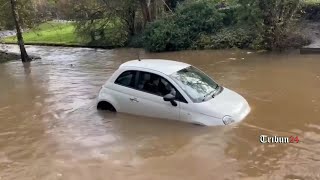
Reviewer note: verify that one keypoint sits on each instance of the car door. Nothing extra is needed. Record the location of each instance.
(123, 91)
(149, 100)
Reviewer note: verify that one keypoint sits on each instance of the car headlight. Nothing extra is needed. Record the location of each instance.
(227, 120)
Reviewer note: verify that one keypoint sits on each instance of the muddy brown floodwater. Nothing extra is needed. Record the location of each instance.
(50, 128)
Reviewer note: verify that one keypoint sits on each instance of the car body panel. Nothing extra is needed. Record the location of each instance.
(164, 66)
(151, 105)
(226, 103)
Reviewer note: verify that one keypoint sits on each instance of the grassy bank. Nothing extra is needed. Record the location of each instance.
(53, 33)
(312, 1)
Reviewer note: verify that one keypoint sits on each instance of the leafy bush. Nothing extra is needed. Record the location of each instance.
(199, 17)
(136, 41)
(165, 35)
(294, 40)
(202, 25)
(180, 30)
(227, 38)
(102, 32)
(230, 16)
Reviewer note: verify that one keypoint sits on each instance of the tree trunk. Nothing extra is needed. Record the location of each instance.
(267, 7)
(145, 11)
(131, 20)
(92, 33)
(24, 55)
(152, 10)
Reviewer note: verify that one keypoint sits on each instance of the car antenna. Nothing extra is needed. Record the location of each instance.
(139, 56)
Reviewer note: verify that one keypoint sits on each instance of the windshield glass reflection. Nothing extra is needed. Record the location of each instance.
(197, 85)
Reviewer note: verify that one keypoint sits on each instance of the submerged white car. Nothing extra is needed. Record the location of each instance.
(171, 90)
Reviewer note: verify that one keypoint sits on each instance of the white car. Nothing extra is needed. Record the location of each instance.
(171, 90)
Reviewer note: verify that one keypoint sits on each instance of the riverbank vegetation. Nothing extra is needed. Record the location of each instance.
(5, 57)
(50, 33)
(311, 10)
(169, 25)
(271, 25)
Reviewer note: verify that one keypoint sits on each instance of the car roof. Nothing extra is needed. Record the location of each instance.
(165, 66)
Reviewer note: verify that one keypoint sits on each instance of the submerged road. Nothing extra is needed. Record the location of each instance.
(50, 128)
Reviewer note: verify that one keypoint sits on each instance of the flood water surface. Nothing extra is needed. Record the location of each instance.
(50, 128)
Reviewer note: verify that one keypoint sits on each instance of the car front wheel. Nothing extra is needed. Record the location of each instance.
(103, 105)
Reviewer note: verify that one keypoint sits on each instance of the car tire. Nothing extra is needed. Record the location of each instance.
(104, 105)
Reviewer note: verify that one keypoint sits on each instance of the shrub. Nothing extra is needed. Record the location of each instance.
(136, 41)
(102, 32)
(164, 35)
(199, 17)
(269, 24)
(295, 40)
(180, 30)
(230, 15)
(227, 38)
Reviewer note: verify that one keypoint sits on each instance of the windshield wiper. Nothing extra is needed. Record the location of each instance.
(207, 95)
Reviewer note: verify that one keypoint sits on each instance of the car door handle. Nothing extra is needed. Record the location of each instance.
(134, 99)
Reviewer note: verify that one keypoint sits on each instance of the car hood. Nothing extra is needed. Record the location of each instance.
(228, 103)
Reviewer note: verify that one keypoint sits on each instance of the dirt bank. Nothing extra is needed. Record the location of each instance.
(5, 56)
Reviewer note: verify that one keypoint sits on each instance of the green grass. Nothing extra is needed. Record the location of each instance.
(312, 1)
(50, 33)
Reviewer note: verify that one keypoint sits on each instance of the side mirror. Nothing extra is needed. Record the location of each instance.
(170, 97)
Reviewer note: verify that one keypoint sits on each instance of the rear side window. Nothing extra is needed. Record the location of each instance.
(127, 79)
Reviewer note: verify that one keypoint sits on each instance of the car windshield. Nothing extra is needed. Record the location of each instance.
(197, 85)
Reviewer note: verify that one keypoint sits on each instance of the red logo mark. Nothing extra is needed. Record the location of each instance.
(293, 139)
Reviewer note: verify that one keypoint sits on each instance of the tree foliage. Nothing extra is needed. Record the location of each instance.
(180, 30)
(170, 24)
(103, 32)
(278, 20)
(25, 9)
(258, 24)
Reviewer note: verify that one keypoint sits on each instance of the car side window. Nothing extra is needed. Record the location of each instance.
(155, 84)
(127, 79)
